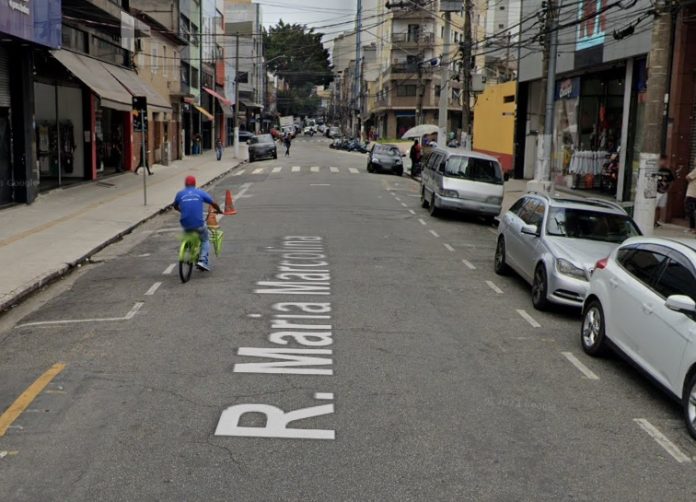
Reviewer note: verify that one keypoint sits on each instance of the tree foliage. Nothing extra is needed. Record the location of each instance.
(295, 53)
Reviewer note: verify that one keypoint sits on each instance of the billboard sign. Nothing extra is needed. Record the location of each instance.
(37, 21)
(592, 23)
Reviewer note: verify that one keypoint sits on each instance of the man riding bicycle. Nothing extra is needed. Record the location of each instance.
(189, 202)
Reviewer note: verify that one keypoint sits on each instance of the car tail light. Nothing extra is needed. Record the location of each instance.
(601, 264)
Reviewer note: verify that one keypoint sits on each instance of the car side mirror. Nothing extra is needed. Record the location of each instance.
(681, 303)
(530, 230)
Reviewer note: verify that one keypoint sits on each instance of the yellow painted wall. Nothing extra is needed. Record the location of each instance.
(494, 120)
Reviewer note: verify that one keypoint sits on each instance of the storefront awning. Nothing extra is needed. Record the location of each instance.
(138, 87)
(204, 112)
(223, 99)
(250, 104)
(95, 76)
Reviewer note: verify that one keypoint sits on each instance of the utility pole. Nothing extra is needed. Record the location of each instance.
(657, 100)
(466, 78)
(358, 77)
(236, 97)
(542, 172)
(444, 82)
(420, 89)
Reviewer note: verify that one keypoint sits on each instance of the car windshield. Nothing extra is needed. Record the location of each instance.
(592, 225)
(387, 150)
(470, 168)
(263, 138)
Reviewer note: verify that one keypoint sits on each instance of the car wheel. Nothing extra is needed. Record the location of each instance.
(275, 154)
(433, 209)
(592, 329)
(540, 289)
(370, 168)
(499, 264)
(251, 159)
(689, 403)
(399, 172)
(424, 202)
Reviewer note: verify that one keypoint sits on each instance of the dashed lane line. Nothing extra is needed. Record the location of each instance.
(314, 169)
(469, 265)
(435, 234)
(492, 230)
(333, 169)
(276, 170)
(448, 247)
(411, 211)
(353, 170)
(591, 375)
(528, 318)
(295, 169)
(169, 269)
(27, 397)
(422, 221)
(662, 440)
(153, 289)
(396, 198)
(494, 287)
(404, 204)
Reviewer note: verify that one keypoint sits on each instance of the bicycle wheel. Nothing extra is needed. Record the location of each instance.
(185, 261)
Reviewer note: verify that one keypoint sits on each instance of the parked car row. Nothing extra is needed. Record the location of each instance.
(349, 145)
(381, 158)
(637, 295)
(262, 146)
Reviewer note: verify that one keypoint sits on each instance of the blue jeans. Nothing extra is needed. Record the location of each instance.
(205, 242)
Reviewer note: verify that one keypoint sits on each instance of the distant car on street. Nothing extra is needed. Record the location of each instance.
(334, 132)
(459, 180)
(309, 131)
(262, 146)
(642, 304)
(385, 158)
(554, 243)
(245, 136)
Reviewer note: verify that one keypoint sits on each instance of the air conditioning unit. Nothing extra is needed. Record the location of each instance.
(478, 82)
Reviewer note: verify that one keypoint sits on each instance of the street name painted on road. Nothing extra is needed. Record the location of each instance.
(302, 271)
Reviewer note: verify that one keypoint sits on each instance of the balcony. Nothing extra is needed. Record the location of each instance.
(106, 11)
(422, 11)
(413, 39)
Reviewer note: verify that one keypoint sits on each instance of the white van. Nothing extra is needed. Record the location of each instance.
(462, 180)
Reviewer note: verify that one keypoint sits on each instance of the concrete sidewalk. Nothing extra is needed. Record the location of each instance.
(42, 241)
(514, 189)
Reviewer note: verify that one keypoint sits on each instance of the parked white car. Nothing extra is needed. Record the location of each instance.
(642, 304)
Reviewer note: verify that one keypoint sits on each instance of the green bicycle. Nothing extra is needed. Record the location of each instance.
(190, 250)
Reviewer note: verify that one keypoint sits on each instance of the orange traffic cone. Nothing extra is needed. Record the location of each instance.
(229, 205)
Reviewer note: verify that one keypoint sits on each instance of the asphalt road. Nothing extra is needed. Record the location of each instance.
(430, 378)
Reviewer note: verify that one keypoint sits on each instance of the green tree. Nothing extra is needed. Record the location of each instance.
(295, 53)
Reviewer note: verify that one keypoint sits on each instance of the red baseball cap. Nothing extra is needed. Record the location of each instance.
(190, 181)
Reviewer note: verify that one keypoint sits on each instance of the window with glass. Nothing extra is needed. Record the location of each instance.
(643, 264)
(677, 278)
(471, 168)
(591, 225)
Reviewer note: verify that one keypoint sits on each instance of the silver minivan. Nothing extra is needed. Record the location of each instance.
(462, 180)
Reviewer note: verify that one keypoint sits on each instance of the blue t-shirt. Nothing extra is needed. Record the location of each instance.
(190, 203)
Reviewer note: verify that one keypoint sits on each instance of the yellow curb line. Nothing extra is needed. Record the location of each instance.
(25, 398)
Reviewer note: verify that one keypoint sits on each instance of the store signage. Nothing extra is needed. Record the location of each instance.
(38, 21)
(568, 88)
(592, 23)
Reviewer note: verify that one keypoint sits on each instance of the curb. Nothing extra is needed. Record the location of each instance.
(67, 268)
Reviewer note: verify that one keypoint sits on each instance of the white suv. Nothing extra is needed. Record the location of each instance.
(642, 303)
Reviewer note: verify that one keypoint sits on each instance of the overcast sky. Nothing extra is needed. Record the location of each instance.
(324, 15)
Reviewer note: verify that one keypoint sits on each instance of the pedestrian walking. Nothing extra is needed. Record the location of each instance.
(287, 141)
(690, 202)
(218, 149)
(197, 144)
(415, 154)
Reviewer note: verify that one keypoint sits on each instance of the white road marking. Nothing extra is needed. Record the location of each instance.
(469, 264)
(435, 234)
(580, 366)
(528, 318)
(244, 188)
(495, 288)
(353, 170)
(411, 211)
(492, 230)
(169, 269)
(276, 169)
(131, 313)
(396, 198)
(144, 255)
(295, 169)
(320, 184)
(323, 395)
(403, 204)
(448, 247)
(422, 221)
(314, 169)
(239, 173)
(166, 230)
(333, 169)
(255, 315)
(662, 440)
(258, 170)
(153, 289)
